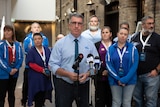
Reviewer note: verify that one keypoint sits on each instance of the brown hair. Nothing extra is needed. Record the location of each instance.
(109, 28)
(9, 27)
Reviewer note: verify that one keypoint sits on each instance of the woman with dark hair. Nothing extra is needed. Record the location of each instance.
(39, 82)
(122, 62)
(11, 58)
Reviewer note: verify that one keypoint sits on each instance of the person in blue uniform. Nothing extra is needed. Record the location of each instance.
(39, 82)
(11, 58)
(122, 61)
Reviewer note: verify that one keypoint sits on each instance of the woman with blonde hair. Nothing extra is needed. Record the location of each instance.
(103, 91)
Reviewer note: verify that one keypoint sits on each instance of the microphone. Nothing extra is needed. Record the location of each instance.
(96, 63)
(77, 61)
(90, 60)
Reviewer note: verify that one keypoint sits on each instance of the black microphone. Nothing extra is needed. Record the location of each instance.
(90, 61)
(96, 63)
(77, 61)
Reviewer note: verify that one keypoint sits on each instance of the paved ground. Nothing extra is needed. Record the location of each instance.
(18, 93)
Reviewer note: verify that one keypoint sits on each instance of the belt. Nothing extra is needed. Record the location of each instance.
(74, 84)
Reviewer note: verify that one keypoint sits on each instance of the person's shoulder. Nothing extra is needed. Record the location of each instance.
(156, 37)
(99, 30)
(85, 32)
(32, 49)
(2, 42)
(156, 34)
(134, 36)
(97, 43)
(115, 39)
(113, 46)
(28, 36)
(46, 48)
(17, 43)
(43, 35)
(83, 38)
(129, 44)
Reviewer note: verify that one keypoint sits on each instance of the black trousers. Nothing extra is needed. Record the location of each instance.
(39, 99)
(25, 86)
(7, 85)
(67, 93)
(103, 96)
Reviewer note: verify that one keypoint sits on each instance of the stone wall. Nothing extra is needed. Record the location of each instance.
(127, 12)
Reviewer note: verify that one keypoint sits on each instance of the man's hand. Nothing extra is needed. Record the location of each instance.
(83, 77)
(73, 76)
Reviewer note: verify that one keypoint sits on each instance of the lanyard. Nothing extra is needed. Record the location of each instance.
(121, 54)
(43, 57)
(13, 49)
(144, 43)
(106, 47)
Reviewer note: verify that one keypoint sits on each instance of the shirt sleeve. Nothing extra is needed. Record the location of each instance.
(36, 67)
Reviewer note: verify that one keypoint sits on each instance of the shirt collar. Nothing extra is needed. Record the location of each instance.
(116, 44)
(73, 38)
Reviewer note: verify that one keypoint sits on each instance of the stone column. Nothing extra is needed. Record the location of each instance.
(128, 12)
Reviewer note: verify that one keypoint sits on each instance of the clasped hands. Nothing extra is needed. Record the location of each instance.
(46, 72)
(81, 77)
(120, 84)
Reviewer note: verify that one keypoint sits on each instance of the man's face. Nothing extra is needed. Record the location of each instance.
(93, 24)
(148, 26)
(35, 28)
(76, 26)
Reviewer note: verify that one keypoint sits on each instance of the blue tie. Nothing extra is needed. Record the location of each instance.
(76, 52)
(76, 48)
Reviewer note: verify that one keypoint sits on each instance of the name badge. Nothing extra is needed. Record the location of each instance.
(121, 72)
(12, 64)
(142, 56)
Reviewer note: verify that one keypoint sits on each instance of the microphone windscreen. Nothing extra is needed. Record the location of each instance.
(89, 55)
(96, 59)
(81, 55)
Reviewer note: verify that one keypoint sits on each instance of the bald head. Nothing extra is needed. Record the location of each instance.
(59, 36)
(35, 27)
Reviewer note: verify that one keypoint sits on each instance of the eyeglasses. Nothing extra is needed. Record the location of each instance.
(76, 23)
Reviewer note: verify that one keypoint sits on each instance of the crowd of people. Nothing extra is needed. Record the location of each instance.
(125, 69)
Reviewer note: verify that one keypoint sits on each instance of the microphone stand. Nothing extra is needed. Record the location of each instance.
(91, 80)
(96, 82)
(96, 65)
(77, 84)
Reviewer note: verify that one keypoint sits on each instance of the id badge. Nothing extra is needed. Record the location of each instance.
(12, 65)
(142, 56)
(121, 72)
